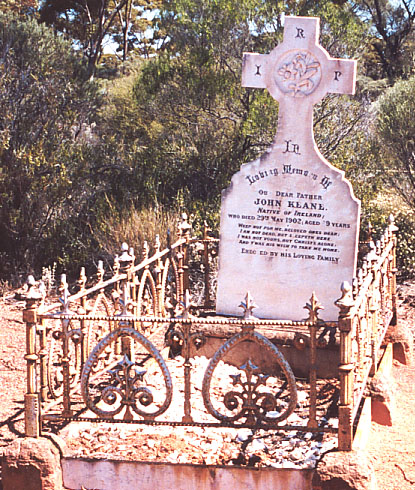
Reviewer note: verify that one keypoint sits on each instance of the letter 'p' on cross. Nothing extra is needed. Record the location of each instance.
(298, 73)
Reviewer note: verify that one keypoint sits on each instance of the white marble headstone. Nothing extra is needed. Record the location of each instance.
(289, 220)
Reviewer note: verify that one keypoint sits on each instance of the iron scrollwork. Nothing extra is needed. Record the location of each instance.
(122, 385)
(251, 402)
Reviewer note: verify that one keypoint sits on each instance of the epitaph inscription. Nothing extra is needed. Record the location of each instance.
(289, 220)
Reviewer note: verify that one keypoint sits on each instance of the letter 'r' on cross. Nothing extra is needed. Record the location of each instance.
(299, 67)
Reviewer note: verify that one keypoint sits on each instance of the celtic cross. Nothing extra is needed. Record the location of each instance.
(298, 73)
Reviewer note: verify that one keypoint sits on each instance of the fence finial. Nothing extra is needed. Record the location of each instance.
(64, 292)
(146, 250)
(125, 259)
(248, 305)
(392, 227)
(157, 244)
(313, 306)
(184, 227)
(346, 301)
(82, 279)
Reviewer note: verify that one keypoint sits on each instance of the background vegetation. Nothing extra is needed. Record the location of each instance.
(117, 115)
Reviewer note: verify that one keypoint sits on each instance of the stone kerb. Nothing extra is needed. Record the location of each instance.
(289, 220)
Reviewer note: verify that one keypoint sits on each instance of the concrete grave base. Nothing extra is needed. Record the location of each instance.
(36, 464)
(122, 475)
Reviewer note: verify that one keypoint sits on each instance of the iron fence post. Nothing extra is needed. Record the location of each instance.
(84, 341)
(32, 398)
(313, 307)
(346, 368)
(392, 229)
(43, 353)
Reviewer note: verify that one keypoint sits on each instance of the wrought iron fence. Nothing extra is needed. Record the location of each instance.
(101, 354)
(367, 309)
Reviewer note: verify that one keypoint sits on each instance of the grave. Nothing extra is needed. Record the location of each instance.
(299, 218)
(289, 220)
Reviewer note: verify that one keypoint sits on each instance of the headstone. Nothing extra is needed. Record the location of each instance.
(289, 220)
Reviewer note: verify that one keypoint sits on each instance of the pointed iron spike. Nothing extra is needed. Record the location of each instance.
(157, 243)
(317, 303)
(206, 230)
(369, 231)
(248, 305)
(313, 306)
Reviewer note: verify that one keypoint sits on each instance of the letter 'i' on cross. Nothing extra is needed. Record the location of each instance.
(298, 73)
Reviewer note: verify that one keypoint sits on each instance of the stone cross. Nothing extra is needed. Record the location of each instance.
(289, 220)
(298, 68)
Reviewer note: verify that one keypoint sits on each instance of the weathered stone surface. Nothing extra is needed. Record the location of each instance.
(31, 464)
(344, 471)
(121, 475)
(401, 337)
(381, 392)
(289, 220)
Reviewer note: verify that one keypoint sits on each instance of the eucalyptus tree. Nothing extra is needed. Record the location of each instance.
(199, 125)
(44, 102)
(92, 23)
(392, 28)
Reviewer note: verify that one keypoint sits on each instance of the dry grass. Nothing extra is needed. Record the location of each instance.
(135, 227)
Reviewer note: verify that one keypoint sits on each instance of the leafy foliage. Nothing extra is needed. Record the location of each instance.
(43, 103)
(82, 161)
(393, 138)
(90, 23)
(392, 26)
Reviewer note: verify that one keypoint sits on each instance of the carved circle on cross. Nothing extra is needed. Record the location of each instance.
(297, 73)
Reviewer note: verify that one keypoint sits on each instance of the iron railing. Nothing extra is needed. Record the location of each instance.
(100, 354)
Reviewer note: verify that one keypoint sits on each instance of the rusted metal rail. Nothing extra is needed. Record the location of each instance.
(90, 354)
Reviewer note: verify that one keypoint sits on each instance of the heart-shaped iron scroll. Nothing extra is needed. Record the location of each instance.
(249, 400)
(123, 385)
